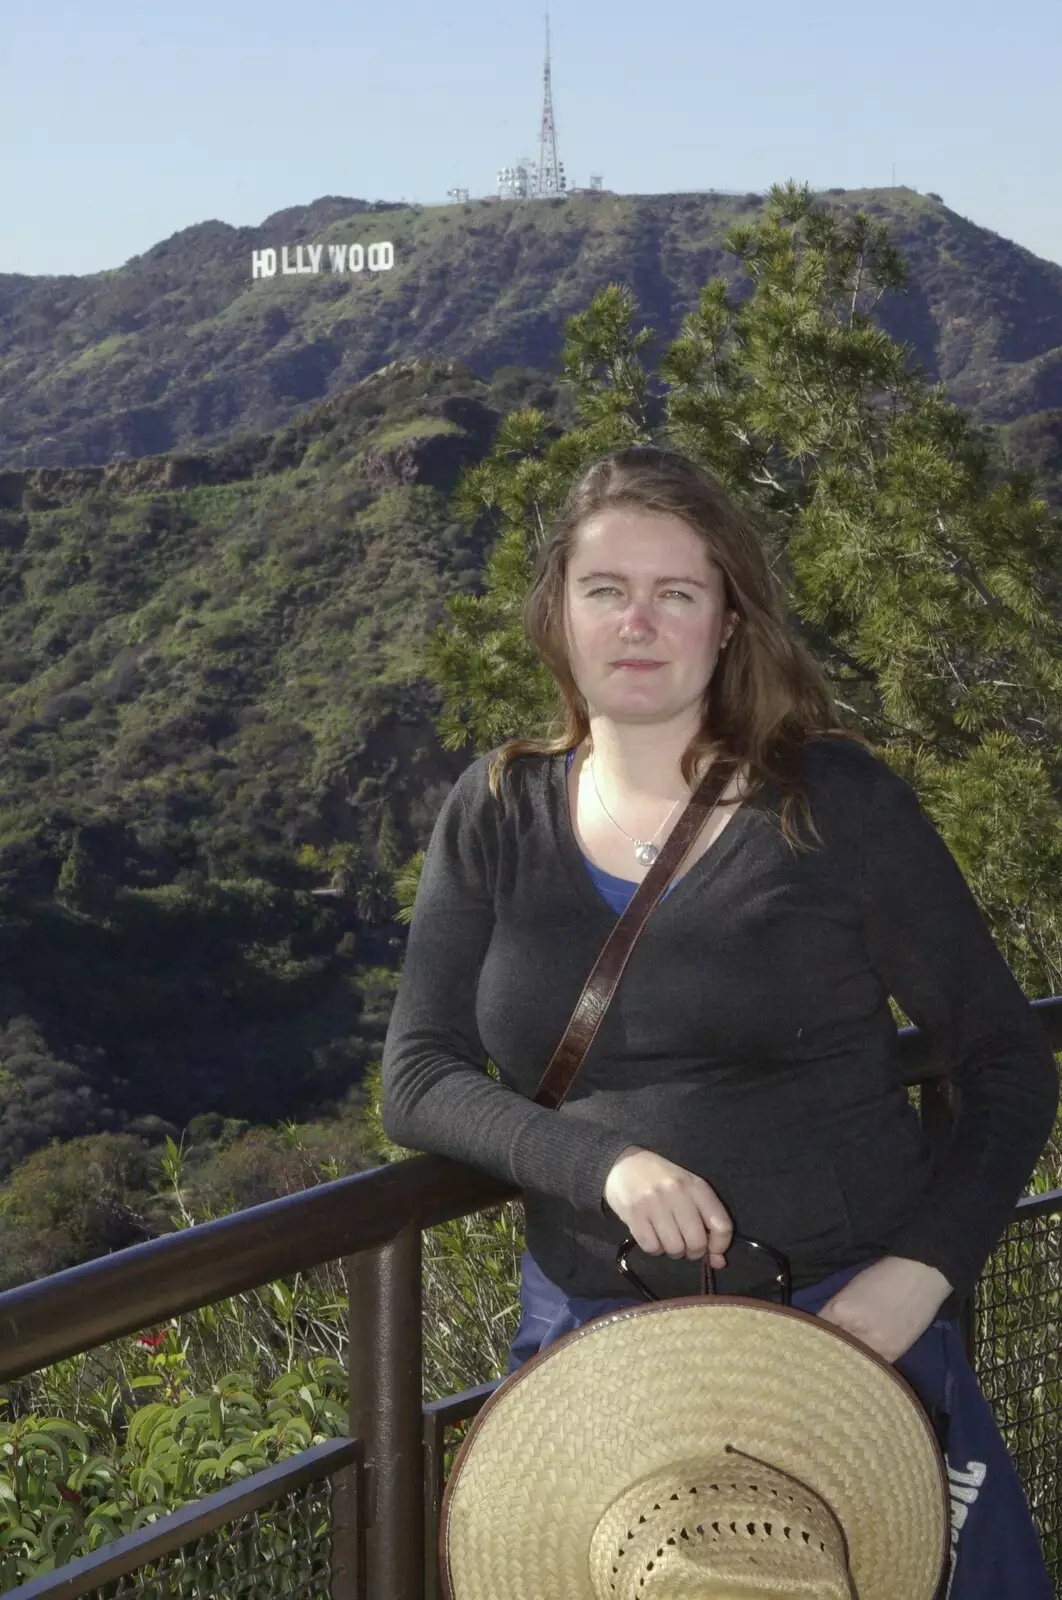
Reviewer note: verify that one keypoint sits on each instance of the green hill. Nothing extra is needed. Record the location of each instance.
(180, 349)
(210, 708)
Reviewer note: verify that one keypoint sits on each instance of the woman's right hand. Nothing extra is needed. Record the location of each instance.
(667, 1209)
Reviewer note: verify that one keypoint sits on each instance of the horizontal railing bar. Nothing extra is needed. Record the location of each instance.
(172, 1532)
(1037, 1205)
(919, 1059)
(455, 1407)
(88, 1305)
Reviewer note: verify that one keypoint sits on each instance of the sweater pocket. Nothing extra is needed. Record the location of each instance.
(798, 1206)
(883, 1177)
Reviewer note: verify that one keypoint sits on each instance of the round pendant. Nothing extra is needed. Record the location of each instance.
(647, 854)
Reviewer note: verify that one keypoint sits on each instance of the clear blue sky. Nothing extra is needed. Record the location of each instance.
(123, 121)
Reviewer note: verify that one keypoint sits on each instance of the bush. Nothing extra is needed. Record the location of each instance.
(42, 1096)
(67, 1487)
(83, 1198)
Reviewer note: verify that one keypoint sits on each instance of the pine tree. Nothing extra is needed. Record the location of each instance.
(77, 879)
(388, 841)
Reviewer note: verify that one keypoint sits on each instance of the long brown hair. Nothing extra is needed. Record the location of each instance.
(767, 696)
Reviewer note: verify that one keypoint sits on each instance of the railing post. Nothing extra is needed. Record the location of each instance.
(347, 1567)
(384, 1360)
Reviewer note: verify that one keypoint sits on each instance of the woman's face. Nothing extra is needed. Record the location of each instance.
(641, 585)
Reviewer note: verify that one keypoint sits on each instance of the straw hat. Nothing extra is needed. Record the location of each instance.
(716, 1448)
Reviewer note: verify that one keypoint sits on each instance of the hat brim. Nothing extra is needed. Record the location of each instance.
(638, 1388)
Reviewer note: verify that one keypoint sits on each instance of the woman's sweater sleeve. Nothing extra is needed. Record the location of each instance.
(933, 950)
(436, 1093)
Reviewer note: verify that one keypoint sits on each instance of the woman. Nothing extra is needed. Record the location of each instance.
(745, 1074)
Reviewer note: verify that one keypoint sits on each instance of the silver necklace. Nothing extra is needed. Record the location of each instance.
(645, 850)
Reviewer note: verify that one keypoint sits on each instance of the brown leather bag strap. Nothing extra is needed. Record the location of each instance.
(599, 988)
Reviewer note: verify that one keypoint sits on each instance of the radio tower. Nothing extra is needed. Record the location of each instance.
(550, 170)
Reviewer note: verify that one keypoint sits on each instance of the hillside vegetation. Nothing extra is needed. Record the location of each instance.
(180, 348)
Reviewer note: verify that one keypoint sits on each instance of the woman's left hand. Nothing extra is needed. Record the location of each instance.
(889, 1305)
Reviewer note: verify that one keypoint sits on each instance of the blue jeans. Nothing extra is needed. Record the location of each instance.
(996, 1551)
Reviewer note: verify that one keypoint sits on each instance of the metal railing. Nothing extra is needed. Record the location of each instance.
(368, 1504)
(291, 1553)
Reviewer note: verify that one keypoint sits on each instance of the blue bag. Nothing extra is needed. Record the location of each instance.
(996, 1550)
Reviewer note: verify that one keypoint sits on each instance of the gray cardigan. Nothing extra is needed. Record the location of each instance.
(750, 1039)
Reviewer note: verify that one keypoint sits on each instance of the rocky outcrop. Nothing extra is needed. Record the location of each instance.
(44, 488)
(435, 459)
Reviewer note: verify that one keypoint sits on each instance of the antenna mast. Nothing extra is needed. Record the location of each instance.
(550, 171)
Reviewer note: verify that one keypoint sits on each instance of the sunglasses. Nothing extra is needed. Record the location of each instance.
(765, 1275)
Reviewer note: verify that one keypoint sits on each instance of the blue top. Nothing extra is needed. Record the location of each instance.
(616, 892)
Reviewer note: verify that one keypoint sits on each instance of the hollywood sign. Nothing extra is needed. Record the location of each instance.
(300, 258)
